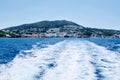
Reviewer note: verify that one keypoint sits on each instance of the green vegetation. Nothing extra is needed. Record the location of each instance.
(61, 29)
(43, 25)
(2, 34)
(15, 35)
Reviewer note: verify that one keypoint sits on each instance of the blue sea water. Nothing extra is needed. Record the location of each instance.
(59, 59)
(10, 47)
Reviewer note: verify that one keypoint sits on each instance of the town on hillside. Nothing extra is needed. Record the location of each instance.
(59, 29)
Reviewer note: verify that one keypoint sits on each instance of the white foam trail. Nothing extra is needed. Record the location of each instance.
(31, 66)
(107, 63)
(73, 64)
(66, 60)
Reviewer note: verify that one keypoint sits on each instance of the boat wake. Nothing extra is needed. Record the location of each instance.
(66, 60)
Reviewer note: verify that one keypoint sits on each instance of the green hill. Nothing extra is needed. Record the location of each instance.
(45, 25)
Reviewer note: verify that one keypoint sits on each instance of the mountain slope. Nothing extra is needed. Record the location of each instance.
(45, 24)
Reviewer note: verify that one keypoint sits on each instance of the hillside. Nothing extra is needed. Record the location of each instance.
(43, 25)
(59, 28)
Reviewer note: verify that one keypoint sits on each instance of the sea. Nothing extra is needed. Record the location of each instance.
(59, 59)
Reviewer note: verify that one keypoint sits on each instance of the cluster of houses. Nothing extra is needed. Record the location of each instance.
(53, 32)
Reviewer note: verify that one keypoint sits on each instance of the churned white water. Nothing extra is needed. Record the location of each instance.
(66, 60)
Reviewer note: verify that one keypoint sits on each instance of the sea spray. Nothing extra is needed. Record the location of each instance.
(66, 60)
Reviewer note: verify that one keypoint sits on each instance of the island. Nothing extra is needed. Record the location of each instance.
(57, 29)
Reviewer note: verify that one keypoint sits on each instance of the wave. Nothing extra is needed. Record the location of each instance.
(66, 60)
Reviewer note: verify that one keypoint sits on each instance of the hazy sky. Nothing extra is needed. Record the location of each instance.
(89, 13)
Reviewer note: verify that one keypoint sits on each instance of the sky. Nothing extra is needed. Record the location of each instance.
(104, 14)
